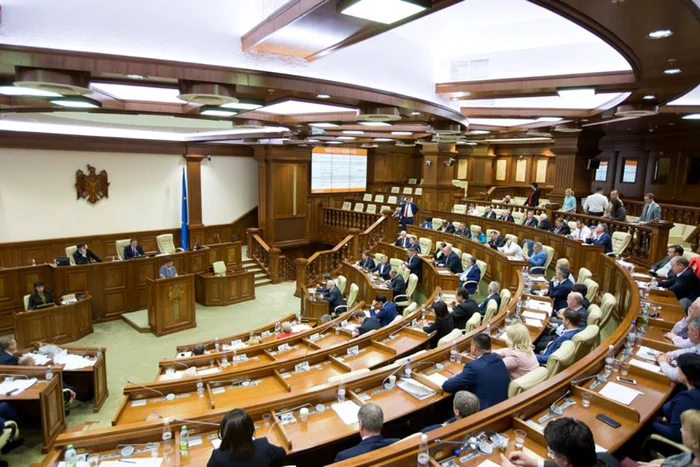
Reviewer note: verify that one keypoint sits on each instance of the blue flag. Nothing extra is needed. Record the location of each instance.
(184, 240)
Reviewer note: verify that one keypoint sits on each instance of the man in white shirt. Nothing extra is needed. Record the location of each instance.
(666, 360)
(679, 333)
(596, 203)
(511, 249)
(582, 231)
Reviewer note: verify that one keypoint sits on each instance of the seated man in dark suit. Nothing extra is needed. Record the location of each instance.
(133, 250)
(439, 255)
(506, 216)
(570, 442)
(322, 285)
(333, 297)
(494, 294)
(382, 269)
(561, 227)
(463, 231)
(463, 309)
(446, 227)
(471, 276)
(40, 296)
(414, 264)
(556, 324)
(486, 376)
(464, 404)
(84, 256)
(384, 310)
(367, 262)
(495, 240)
(544, 223)
(583, 290)
(662, 268)
(489, 213)
(370, 419)
(601, 237)
(397, 283)
(402, 241)
(8, 347)
(685, 284)
(451, 260)
(367, 323)
(530, 220)
(559, 288)
(572, 321)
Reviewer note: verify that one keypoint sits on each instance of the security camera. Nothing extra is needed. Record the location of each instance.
(209, 158)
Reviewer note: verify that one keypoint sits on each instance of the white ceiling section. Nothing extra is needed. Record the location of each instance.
(603, 100)
(516, 37)
(692, 98)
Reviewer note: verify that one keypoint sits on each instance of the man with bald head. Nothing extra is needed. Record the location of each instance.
(601, 237)
(451, 260)
(679, 333)
(334, 297)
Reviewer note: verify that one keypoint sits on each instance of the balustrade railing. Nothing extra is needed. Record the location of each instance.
(500, 192)
(288, 271)
(513, 207)
(311, 270)
(267, 257)
(342, 219)
(677, 214)
(383, 229)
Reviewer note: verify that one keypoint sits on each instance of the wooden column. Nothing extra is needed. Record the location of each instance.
(249, 232)
(572, 155)
(437, 176)
(658, 243)
(302, 276)
(194, 198)
(274, 265)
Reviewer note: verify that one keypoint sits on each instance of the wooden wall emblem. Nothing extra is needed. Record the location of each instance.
(93, 186)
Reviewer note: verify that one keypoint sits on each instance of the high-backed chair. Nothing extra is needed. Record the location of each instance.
(69, 253)
(120, 245)
(412, 181)
(395, 189)
(384, 208)
(409, 309)
(608, 303)
(379, 257)
(367, 197)
(459, 208)
(595, 314)
(491, 310)
(407, 190)
(396, 319)
(419, 191)
(392, 200)
(437, 222)
(561, 359)
(505, 298)
(465, 257)
(359, 207)
(371, 208)
(482, 270)
(341, 282)
(457, 251)
(572, 225)
(473, 322)
(475, 230)
(583, 274)
(585, 340)
(620, 240)
(347, 205)
(352, 295)
(219, 268)
(405, 300)
(448, 338)
(513, 238)
(426, 245)
(518, 217)
(480, 210)
(166, 244)
(592, 289)
(527, 381)
(488, 232)
(26, 302)
(379, 198)
(543, 269)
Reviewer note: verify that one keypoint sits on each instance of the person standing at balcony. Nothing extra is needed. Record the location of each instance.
(533, 199)
(569, 201)
(408, 211)
(596, 203)
(651, 212)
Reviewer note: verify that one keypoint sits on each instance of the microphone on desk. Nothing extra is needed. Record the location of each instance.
(293, 409)
(195, 422)
(168, 397)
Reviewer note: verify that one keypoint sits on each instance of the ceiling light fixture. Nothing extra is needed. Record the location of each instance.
(334, 142)
(243, 104)
(402, 133)
(517, 140)
(324, 124)
(353, 132)
(672, 71)
(29, 92)
(295, 107)
(323, 96)
(660, 34)
(383, 139)
(216, 111)
(691, 117)
(346, 138)
(549, 119)
(135, 76)
(386, 11)
(415, 112)
(468, 143)
(478, 132)
(576, 93)
(649, 97)
(374, 123)
(77, 102)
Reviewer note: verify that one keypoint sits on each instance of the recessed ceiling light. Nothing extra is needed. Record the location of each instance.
(135, 76)
(386, 11)
(660, 34)
(415, 112)
(311, 140)
(402, 133)
(576, 93)
(334, 142)
(347, 138)
(324, 124)
(295, 107)
(479, 132)
(242, 104)
(383, 139)
(353, 132)
(215, 111)
(77, 102)
(692, 117)
(374, 123)
(549, 119)
(132, 92)
(672, 71)
(517, 140)
(323, 96)
(20, 91)
(649, 97)
(468, 143)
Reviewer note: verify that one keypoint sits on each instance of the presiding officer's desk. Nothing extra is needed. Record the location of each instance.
(234, 287)
(57, 324)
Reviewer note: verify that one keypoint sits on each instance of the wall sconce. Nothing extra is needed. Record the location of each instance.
(450, 162)
(428, 163)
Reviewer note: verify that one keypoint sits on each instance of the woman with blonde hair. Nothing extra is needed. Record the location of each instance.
(519, 357)
(569, 204)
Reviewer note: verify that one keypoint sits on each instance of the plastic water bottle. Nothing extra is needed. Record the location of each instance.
(184, 441)
(518, 307)
(71, 458)
(167, 434)
(453, 352)
(488, 328)
(632, 335)
(200, 388)
(407, 372)
(278, 327)
(341, 394)
(423, 452)
(422, 313)
(49, 373)
(610, 358)
(217, 346)
(653, 284)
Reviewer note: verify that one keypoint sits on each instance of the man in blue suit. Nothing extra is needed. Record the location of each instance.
(486, 376)
(384, 310)
(133, 250)
(333, 296)
(494, 294)
(397, 283)
(559, 288)
(601, 237)
(370, 419)
(408, 211)
(451, 260)
(572, 320)
(383, 268)
(366, 263)
(538, 258)
(414, 264)
(471, 276)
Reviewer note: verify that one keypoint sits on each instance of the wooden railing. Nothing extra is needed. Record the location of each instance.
(288, 271)
(499, 192)
(385, 228)
(343, 219)
(675, 213)
(311, 270)
(500, 206)
(278, 267)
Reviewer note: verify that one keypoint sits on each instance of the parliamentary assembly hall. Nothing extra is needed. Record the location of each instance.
(398, 233)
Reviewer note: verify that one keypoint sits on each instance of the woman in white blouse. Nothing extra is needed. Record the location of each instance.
(510, 248)
(519, 357)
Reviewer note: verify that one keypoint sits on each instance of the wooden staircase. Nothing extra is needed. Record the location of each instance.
(261, 276)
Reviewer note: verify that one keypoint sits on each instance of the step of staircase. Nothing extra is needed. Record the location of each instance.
(261, 277)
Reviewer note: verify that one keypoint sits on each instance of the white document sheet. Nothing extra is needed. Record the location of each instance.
(646, 365)
(39, 359)
(347, 411)
(418, 390)
(437, 378)
(619, 393)
(72, 361)
(538, 305)
(534, 315)
(647, 353)
(18, 386)
(209, 371)
(488, 463)
(534, 322)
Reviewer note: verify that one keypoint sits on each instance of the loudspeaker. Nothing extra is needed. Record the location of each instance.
(593, 164)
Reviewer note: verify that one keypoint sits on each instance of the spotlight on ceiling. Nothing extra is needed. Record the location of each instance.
(549, 119)
(660, 34)
(415, 112)
(77, 102)
(323, 96)
(576, 93)
(478, 132)
(386, 11)
(649, 97)
(135, 76)
(216, 111)
(672, 71)
(692, 117)
(324, 124)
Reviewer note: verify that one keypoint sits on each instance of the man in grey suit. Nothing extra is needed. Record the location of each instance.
(651, 212)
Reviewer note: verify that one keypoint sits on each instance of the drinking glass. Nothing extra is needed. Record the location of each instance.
(586, 398)
(520, 436)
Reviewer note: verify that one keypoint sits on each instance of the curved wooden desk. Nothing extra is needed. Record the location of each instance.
(59, 324)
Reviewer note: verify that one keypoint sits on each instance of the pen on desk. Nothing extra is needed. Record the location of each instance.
(449, 372)
(9, 393)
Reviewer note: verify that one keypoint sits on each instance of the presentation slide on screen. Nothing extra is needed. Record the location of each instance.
(337, 170)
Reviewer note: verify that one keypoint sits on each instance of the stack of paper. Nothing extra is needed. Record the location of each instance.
(209, 371)
(647, 353)
(418, 390)
(535, 323)
(539, 305)
(646, 365)
(534, 315)
(347, 411)
(437, 378)
(18, 386)
(39, 359)
(72, 361)
(300, 327)
(619, 393)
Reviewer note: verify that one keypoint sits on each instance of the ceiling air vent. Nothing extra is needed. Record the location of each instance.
(379, 114)
(64, 83)
(636, 110)
(206, 93)
(400, 144)
(568, 128)
(444, 129)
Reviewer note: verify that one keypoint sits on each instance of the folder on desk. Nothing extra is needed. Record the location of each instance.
(418, 390)
(17, 386)
(347, 411)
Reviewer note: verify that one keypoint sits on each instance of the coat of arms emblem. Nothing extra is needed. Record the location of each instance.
(93, 186)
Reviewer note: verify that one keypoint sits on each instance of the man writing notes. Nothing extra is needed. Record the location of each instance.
(84, 256)
(133, 250)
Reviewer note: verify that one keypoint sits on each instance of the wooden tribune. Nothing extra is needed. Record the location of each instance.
(234, 287)
(171, 304)
(60, 324)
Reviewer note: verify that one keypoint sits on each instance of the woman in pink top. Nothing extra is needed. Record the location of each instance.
(519, 356)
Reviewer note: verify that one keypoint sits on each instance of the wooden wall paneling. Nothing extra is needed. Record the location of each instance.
(572, 155)
(194, 189)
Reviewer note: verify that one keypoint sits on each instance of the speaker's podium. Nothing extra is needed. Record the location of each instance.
(171, 304)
